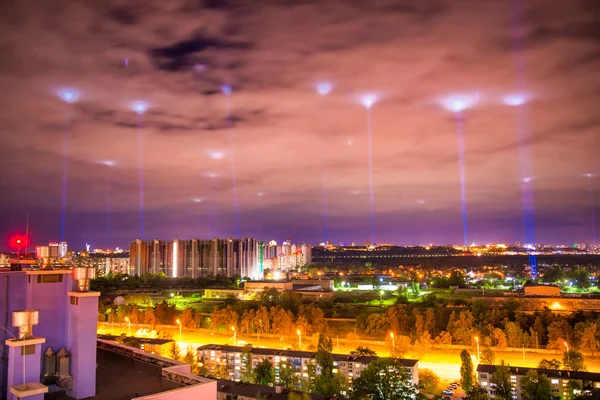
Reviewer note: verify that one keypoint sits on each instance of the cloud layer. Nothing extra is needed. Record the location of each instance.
(305, 153)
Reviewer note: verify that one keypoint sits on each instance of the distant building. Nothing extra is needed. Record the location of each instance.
(285, 257)
(196, 257)
(216, 357)
(559, 379)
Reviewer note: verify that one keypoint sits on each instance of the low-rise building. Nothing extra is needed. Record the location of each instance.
(228, 360)
(223, 293)
(559, 379)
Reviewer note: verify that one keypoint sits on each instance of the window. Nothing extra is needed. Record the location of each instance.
(555, 381)
(74, 301)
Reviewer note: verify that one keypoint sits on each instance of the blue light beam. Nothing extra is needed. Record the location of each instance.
(227, 92)
(140, 107)
(368, 101)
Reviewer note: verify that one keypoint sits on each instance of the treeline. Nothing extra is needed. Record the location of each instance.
(500, 327)
(273, 313)
(115, 282)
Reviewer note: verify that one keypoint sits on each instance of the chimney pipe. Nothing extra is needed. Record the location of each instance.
(83, 275)
(25, 320)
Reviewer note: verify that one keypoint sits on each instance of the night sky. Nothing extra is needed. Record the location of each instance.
(285, 138)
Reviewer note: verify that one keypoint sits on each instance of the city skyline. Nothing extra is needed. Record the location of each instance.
(195, 94)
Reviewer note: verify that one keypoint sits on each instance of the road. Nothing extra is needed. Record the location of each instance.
(445, 363)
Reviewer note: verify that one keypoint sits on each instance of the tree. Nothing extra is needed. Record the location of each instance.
(588, 339)
(429, 382)
(487, 356)
(269, 297)
(326, 382)
(499, 339)
(549, 364)
(478, 393)
(573, 389)
(263, 373)
(174, 351)
(246, 368)
(384, 379)
(466, 371)
(573, 360)
(287, 378)
(444, 338)
(535, 387)
(501, 378)
(188, 319)
(190, 359)
(364, 351)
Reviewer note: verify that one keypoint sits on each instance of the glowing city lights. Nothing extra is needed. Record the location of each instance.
(324, 88)
(68, 95)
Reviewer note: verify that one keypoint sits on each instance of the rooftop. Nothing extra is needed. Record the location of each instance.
(550, 373)
(260, 391)
(299, 354)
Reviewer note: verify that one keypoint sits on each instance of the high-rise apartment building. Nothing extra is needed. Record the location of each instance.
(197, 257)
(286, 256)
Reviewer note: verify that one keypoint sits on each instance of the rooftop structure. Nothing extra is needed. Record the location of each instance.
(54, 321)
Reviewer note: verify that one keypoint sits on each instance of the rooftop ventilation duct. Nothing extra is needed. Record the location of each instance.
(25, 320)
(83, 275)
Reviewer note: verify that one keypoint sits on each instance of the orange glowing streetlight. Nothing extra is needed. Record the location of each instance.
(299, 332)
(129, 326)
(180, 329)
(234, 335)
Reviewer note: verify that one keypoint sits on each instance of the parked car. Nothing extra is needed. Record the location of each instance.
(448, 392)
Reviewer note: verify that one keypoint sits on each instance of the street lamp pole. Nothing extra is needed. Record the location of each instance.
(129, 326)
(180, 330)
(478, 355)
(234, 335)
(393, 343)
(299, 332)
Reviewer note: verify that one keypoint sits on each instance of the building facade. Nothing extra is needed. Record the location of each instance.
(559, 380)
(197, 257)
(229, 360)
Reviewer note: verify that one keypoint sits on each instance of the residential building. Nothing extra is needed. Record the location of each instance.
(58, 307)
(229, 360)
(559, 379)
(197, 257)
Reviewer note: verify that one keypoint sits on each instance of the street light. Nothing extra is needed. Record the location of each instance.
(566, 345)
(477, 341)
(393, 343)
(234, 335)
(299, 337)
(180, 329)
(381, 296)
(129, 326)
